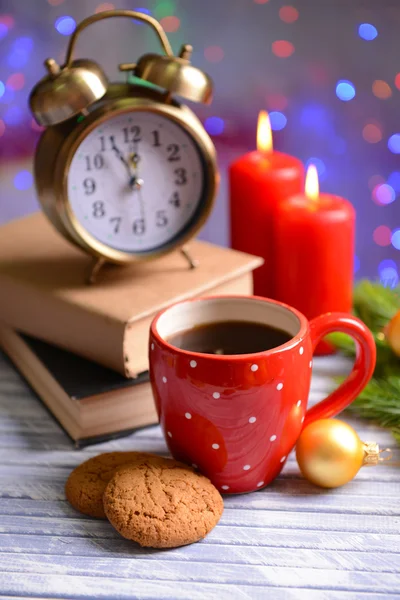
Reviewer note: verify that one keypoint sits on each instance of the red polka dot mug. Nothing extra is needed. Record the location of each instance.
(237, 417)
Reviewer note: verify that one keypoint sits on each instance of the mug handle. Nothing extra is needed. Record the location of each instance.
(363, 367)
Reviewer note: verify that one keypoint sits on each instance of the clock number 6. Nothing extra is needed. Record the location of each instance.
(138, 226)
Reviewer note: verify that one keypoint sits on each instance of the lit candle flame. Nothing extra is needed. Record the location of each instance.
(264, 133)
(312, 183)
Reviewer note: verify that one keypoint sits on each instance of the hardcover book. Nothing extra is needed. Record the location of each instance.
(43, 292)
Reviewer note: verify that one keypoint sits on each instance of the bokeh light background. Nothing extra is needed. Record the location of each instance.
(327, 71)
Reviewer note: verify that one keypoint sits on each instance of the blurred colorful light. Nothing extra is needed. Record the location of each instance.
(278, 120)
(20, 52)
(214, 125)
(16, 81)
(7, 20)
(3, 30)
(396, 239)
(397, 81)
(372, 133)
(276, 101)
(319, 165)
(383, 194)
(394, 180)
(375, 180)
(55, 2)
(13, 115)
(170, 23)
(381, 89)
(282, 48)
(382, 235)
(145, 11)
(214, 54)
(394, 143)
(288, 14)
(104, 6)
(387, 270)
(164, 9)
(23, 180)
(345, 90)
(2, 89)
(367, 32)
(356, 264)
(65, 25)
(2, 127)
(261, 1)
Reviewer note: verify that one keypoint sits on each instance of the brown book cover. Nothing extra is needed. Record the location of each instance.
(91, 403)
(43, 292)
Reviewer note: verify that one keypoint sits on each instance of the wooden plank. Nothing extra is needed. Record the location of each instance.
(284, 499)
(84, 588)
(273, 553)
(178, 572)
(248, 521)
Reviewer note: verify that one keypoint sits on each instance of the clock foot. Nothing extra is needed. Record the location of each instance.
(94, 270)
(193, 263)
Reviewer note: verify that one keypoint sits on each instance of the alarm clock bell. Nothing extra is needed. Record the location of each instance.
(77, 89)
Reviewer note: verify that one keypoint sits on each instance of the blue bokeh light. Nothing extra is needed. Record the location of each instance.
(368, 32)
(65, 25)
(396, 239)
(20, 52)
(394, 180)
(13, 115)
(23, 180)
(7, 97)
(394, 143)
(278, 120)
(2, 89)
(214, 125)
(356, 264)
(345, 90)
(389, 277)
(145, 11)
(3, 30)
(320, 166)
(387, 263)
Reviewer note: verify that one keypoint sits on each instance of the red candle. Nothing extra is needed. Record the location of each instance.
(314, 251)
(259, 181)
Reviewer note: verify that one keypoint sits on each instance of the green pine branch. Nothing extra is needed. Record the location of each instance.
(375, 305)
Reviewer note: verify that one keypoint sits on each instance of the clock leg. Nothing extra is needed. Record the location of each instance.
(94, 269)
(193, 263)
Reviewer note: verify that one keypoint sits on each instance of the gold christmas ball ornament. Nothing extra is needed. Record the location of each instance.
(330, 453)
(392, 333)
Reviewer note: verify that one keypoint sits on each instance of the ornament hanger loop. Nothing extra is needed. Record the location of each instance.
(109, 14)
(385, 458)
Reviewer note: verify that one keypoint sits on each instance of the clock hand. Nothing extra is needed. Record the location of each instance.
(119, 154)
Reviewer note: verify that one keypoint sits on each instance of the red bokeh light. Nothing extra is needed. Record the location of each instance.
(282, 48)
(261, 1)
(372, 133)
(214, 54)
(397, 81)
(16, 82)
(7, 20)
(277, 102)
(170, 24)
(104, 6)
(382, 235)
(288, 14)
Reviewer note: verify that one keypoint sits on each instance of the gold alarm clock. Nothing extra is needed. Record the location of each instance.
(124, 171)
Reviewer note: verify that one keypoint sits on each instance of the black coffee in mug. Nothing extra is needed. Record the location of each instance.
(229, 337)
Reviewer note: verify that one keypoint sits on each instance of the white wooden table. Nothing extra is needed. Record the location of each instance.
(288, 541)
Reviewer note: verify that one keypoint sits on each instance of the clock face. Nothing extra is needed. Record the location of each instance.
(136, 181)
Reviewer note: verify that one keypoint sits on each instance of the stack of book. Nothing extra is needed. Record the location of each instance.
(83, 349)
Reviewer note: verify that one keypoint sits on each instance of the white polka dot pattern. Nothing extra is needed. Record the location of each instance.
(272, 438)
(260, 483)
(246, 467)
(193, 364)
(252, 419)
(254, 368)
(215, 446)
(279, 386)
(164, 380)
(216, 395)
(188, 415)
